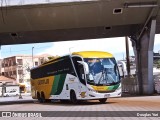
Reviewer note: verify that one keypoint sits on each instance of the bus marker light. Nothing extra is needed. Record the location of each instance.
(83, 94)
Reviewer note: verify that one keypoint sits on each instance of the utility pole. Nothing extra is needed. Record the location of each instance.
(127, 57)
(32, 57)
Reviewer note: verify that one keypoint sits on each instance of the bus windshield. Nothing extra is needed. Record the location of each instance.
(102, 71)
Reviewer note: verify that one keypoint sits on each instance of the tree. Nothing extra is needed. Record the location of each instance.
(158, 64)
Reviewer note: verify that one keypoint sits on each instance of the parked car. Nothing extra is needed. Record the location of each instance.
(11, 93)
(157, 84)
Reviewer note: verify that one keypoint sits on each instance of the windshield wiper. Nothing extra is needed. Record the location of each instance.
(109, 79)
(104, 77)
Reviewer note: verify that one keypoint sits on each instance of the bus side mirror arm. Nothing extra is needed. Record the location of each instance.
(85, 65)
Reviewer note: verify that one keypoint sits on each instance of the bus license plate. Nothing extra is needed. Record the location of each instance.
(107, 95)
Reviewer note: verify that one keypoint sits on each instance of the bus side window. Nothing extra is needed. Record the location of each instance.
(79, 69)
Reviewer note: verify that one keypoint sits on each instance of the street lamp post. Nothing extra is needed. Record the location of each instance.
(3, 89)
(127, 57)
(70, 50)
(32, 57)
(20, 95)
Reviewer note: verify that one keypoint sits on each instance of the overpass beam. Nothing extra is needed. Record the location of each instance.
(143, 48)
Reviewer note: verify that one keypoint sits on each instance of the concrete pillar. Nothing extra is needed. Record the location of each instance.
(144, 60)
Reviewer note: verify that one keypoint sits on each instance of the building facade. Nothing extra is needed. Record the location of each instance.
(156, 56)
(18, 67)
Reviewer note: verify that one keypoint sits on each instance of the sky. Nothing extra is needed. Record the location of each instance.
(116, 46)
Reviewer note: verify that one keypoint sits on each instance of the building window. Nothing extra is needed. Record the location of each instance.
(14, 72)
(6, 74)
(20, 71)
(19, 61)
(36, 63)
(14, 63)
(9, 62)
(10, 73)
(6, 64)
(3, 65)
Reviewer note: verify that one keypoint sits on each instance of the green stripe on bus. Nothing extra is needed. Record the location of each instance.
(60, 84)
(113, 87)
(116, 86)
(110, 87)
(55, 84)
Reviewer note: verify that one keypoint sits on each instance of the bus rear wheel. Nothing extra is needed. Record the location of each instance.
(38, 97)
(73, 97)
(103, 100)
(43, 100)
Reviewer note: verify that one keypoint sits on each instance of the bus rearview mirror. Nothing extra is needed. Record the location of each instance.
(85, 65)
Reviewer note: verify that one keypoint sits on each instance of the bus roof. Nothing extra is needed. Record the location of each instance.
(50, 62)
(93, 54)
(84, 54)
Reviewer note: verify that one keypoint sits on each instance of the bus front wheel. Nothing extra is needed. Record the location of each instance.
(103, 101)
(73, 97)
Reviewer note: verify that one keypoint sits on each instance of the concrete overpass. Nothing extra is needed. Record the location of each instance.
(138, 19)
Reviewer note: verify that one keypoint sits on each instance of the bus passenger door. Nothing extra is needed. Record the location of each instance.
(81, 76)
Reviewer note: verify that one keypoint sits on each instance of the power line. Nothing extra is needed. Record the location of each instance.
(24, 49)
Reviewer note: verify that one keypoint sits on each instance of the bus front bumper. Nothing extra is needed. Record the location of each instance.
(96, 95)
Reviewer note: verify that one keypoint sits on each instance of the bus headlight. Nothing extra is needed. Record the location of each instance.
(91, 90)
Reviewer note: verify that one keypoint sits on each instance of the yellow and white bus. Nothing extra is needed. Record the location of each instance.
(86, 75)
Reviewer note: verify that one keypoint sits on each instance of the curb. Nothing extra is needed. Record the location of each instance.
(16, 102)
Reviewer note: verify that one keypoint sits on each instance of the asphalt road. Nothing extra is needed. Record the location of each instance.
(115, 108)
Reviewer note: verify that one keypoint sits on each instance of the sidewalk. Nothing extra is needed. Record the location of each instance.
(12, 100)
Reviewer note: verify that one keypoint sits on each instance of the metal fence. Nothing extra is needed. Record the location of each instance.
(130, 85)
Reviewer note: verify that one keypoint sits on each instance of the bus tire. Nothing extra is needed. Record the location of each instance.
(103, 100)
(43, 100)
(73, 97)
(38, 97)
(47, 100)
